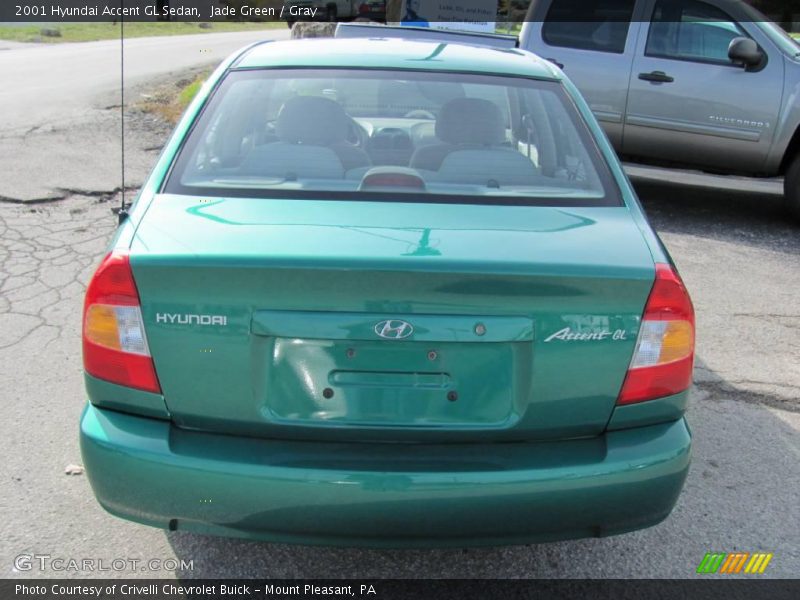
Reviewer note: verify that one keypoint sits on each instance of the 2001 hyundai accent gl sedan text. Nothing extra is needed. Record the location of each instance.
(387, 293)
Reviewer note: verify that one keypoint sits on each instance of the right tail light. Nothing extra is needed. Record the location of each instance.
(664, 357)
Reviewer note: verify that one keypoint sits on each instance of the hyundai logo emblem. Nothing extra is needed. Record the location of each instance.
(394, 329)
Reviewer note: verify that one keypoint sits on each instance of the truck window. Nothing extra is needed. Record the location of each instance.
(601, 26)
(691, 30)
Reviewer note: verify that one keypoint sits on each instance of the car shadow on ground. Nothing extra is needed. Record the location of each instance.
(744, 218)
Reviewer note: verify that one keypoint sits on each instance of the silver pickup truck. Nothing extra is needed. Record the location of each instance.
(703, 84)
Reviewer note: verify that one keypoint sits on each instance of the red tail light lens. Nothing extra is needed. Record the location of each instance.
(114, 342)
(664, 356)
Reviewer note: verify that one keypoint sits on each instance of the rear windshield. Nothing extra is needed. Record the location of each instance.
(404, 136)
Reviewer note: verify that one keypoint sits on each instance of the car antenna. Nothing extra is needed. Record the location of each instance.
(123, 209)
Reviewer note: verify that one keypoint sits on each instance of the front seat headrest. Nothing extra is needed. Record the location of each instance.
(312, 120)
(470, 121)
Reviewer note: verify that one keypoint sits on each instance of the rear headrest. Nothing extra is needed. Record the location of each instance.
(312, 120)
(470, 121)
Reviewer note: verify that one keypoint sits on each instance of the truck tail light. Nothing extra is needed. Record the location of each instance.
(114, 342)
(664, 357)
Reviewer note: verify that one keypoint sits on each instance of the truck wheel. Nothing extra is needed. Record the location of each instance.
(791, 188)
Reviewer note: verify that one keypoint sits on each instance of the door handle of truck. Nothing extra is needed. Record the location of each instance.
(656, 77)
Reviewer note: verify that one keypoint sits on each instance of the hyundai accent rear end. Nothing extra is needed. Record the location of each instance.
(387, 293)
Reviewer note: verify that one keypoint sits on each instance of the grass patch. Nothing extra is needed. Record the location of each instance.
(90, 32)
(190, 91)
(170, 102)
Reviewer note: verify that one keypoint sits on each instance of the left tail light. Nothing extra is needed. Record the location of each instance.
(114, 342)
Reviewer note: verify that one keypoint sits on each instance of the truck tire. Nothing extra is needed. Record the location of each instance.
(791, 188)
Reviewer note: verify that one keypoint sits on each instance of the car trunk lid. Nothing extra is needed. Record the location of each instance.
(390, 321)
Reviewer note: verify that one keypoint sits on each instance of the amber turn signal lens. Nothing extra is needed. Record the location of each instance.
(677, 341)
(100, 326)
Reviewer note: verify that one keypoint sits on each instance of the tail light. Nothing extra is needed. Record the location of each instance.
(664, 356)
(114, 343)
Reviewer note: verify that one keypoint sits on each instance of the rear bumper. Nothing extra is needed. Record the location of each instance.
(390, 495)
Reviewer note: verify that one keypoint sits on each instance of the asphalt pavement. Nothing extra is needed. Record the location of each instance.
(60, 108)
(738, 254)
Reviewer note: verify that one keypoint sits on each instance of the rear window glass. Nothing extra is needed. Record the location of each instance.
(601, 26)
(393, 135)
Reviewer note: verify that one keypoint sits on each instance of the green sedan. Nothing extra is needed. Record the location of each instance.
(387, 293)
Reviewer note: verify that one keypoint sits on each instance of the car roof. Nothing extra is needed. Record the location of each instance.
(384, 53)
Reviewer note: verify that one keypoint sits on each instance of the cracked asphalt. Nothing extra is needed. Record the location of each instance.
(737, 253)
